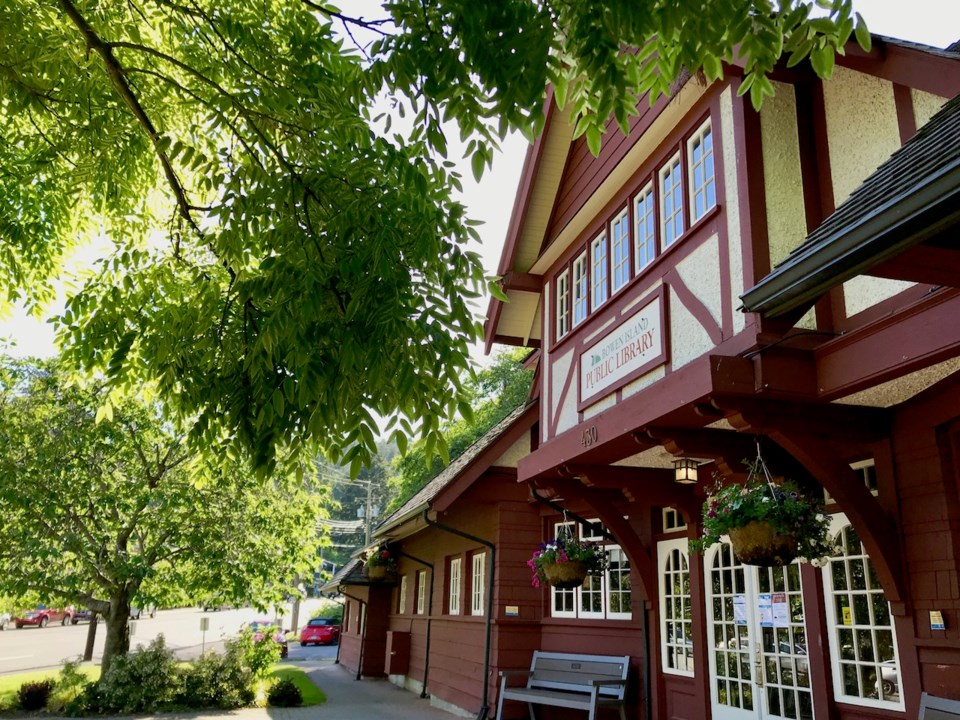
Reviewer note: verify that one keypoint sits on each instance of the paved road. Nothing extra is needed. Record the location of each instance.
(30, 648)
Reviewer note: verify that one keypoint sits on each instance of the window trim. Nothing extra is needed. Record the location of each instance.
(421, 592)
(562, 304)
(649, 188)
(477, 583)
(665, 550)
(454, 583)
(581, 265)
(675, 160)
(596, 301)
(402, 596)
(838, 522)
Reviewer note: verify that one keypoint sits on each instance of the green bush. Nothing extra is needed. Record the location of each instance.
(88, 702)
(285, 693)
(144, 680)
(257, 655)
(221, 681)
(333, 610)
(69, 685)
(33, 696)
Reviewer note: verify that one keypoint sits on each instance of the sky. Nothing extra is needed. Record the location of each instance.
(934, 22)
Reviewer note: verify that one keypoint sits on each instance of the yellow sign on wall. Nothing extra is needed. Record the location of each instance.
(847, 616)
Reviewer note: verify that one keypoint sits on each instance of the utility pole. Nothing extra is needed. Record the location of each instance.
(368, 514)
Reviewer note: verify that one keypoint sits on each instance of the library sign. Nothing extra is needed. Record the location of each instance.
(632, 348)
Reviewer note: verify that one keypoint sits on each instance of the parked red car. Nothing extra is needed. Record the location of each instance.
(43, 616)
(320, 631)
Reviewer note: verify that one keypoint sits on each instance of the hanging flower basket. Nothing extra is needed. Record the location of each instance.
(566, 575)
(759, 543)
(565, 562)
(380, 573)
(769, 524)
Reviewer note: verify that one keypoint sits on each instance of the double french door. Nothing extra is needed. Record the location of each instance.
(759, 667)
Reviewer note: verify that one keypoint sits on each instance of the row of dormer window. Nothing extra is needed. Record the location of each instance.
(639, 232)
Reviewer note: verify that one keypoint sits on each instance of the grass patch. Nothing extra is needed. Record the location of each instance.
(312, 695)
(9, 684)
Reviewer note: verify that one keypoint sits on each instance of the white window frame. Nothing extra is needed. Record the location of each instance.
(599, 271)
(581, 289)
(421, 592)
(673, 520)
(453, 602)
(574, 597)
(563, 303)
(620, 251)
(645, 219)
(862, 468)
(665, 553)
(478, 562)
(707, 161)
(671, 194)
(402, 600)
(837, 523)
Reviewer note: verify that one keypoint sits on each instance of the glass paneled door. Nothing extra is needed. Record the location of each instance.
(758, 658)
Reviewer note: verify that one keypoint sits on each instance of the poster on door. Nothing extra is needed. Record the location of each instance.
(781, 610)
(739, 609)
(765, 609)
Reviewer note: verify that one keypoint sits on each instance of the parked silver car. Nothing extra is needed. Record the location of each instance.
(4, 620)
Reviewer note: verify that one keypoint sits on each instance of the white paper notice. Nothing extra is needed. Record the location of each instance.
(781, 610)
(739, 609)
(765, 609)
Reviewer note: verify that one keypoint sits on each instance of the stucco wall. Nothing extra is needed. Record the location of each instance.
(864, 292)
(925, 105)
(783, 185)
(862, 127)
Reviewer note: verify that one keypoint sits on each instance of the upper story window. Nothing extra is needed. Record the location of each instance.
(598, 262)
(645, 238)
(605, 596)
(675, 194)
(703, 193)
(580, 289)
(477, 584)
(671, 201)
(453, 593)
(563, 303)
(620, 246)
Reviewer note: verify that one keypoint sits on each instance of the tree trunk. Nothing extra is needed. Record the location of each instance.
(117, 641)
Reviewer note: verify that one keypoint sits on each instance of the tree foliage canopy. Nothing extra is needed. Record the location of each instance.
(102, 513)
(285, 267)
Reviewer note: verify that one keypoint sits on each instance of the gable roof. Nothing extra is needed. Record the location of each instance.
(469, 465)
(909, 197)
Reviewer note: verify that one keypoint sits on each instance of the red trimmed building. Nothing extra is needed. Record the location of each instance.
(717, 278)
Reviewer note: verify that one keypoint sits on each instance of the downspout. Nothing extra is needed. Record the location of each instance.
(426, 664)
(484, 708)
(363, 632)
(645, 621)
(340, 644)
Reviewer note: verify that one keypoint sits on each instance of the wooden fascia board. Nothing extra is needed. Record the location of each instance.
(933, 72)
(923, 335)
(443, 500)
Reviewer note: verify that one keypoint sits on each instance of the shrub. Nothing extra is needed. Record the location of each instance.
(257, 654)
(69, 685)
(285, 693)
(141, 681)
(88, 702)
(332, 610)
(33, 696)
(220, 681)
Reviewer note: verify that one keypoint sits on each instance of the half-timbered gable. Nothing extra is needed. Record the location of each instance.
(720, 280)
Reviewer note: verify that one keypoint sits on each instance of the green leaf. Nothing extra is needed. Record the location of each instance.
(862, 33)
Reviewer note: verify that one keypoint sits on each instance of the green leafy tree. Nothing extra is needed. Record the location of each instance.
(104, 513)
(495, 392)
(286, 267)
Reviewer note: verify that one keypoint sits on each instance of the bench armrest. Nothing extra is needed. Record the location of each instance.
(610, 683)
(504, 674)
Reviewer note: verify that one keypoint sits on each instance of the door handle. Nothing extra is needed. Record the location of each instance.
(758, 665)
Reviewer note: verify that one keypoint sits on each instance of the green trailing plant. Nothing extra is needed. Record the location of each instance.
(562, 550)
(33, 696)
(285, 693)
(783, 506)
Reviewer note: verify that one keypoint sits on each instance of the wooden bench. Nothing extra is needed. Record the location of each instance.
(584, 682)
(937, 708)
